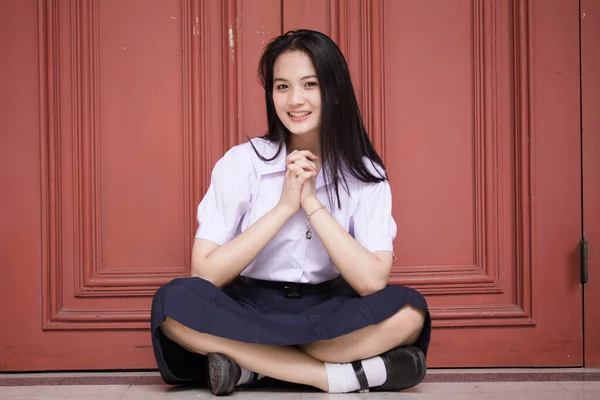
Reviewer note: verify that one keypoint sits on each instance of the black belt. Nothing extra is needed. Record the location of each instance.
(293, 289)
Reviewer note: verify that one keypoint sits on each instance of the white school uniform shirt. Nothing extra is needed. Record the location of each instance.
(243, 188)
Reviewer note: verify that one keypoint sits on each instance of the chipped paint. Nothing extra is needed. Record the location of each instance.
(196, 27)
(231, 44)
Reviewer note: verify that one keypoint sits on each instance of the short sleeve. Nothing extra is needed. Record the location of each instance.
(227, 199)
(374, 226)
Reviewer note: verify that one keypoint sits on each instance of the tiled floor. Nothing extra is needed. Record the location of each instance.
(439, 384)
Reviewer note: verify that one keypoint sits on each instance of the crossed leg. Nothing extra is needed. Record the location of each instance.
(304, 364)
(279, 362)
(402, 328)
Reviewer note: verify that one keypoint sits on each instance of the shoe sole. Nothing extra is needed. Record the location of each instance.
(218, 373)
(424, 363)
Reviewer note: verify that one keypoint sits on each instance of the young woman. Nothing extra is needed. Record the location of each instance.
(294, 249)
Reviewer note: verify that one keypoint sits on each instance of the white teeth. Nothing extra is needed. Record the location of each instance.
(299, 114)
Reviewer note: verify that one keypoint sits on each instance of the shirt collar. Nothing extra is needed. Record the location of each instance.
(268, 149)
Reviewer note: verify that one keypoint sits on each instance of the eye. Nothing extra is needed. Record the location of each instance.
(312, 84)
(281, 87)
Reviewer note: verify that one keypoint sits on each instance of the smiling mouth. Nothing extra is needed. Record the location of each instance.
(299, 115)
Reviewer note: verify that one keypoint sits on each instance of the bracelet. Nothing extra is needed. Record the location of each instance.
(308, 231)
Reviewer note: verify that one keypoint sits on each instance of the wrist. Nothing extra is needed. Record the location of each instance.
(285, 211)
(310, 204)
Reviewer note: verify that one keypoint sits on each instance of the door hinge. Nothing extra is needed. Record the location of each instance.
(583, 246)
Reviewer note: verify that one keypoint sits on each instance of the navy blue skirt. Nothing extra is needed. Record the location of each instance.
(245, 312)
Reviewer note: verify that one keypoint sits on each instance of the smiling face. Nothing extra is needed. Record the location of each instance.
(296, 93)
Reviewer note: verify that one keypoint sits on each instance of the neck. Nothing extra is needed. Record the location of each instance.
(305, 142)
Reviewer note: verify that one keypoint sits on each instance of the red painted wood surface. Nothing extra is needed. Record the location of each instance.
(112, 119)
(590, 80)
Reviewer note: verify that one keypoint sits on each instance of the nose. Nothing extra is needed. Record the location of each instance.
(296, 97)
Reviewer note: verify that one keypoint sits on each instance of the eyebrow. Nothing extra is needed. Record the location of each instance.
(303, 78)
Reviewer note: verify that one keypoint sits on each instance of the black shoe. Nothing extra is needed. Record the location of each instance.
(223, 374)
(405, 367)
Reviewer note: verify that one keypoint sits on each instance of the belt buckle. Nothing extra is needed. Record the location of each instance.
(292, 291)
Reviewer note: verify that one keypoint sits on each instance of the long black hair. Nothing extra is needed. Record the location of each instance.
(344, 139)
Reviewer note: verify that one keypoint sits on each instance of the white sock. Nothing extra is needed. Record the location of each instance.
(375, 371)
(342, 378)
(246, 376)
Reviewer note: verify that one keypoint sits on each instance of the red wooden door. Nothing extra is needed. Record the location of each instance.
(120, 110)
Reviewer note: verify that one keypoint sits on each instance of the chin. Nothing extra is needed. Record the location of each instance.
(298, 133)
(301, 132)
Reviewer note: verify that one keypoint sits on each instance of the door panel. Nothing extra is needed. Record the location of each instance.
(114, 169)
(493, 136)
(484, 160)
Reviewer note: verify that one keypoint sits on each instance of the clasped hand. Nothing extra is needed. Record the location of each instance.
(299, 184)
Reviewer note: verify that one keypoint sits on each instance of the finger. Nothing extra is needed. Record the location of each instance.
(292, 153)
(306, 165)
(300, 155)
(306, 176)
(303, 162)
(292, 158)
(308, 154)
(297, 170)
